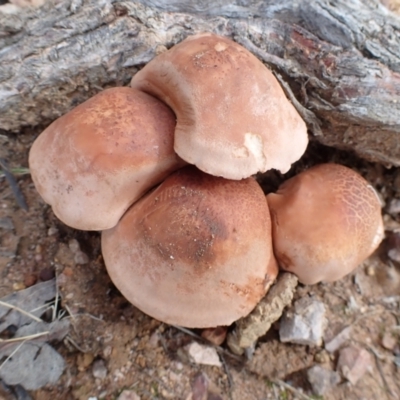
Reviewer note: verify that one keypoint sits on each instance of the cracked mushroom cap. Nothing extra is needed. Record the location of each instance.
(195, 252)
(91, 164)
(233, 118)
(325, 222)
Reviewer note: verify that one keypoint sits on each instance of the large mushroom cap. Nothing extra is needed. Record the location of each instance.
(325, 222)
(91, 164)
(233, 118)
(195, 252)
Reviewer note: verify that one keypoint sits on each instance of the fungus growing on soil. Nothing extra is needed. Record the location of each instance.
(92, 163)
(196, 251)
(233, 119)
(325, 222)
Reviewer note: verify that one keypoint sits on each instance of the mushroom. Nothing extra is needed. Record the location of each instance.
(92, 163)
(325, 222)
(196, 251)
(233, 118)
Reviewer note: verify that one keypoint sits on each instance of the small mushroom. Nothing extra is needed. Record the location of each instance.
(233, 118)
(91, 164)
(325, 222)
(196, 251)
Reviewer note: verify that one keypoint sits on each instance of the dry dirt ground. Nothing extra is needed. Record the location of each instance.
(133, 351)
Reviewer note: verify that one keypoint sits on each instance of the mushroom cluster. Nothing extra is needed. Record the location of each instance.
(191, 244)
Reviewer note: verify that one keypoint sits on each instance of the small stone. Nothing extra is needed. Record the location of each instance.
(46, 274)
(99, 369)
(305, 323)
(338, 340)
(352, 305)
(370, 270)
(215, 335)
(84, 360)
(73, 245)
(389, 341)
(353, 363)
(394, 207)
(141, 361)
(64, 255)
(68, 271)
(80, 258)
(18, 286)
(173, 376)
(154, 339)
(30, 280)
(201, 354)
(52, 231)
(322, 357)
(394, 254)
(107, 351)
(322, 379)
(128, 395)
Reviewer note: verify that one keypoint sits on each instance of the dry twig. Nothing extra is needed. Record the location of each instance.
(28, 314)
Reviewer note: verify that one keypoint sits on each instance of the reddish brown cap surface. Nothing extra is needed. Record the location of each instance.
(195, 252)
(91, 164)
(233, 118)
(325, 222)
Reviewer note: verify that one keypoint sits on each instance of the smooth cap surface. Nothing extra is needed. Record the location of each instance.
(233, 118)
(195, 252)
(91, 164)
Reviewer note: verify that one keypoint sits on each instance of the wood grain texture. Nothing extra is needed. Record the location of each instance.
(339, 62)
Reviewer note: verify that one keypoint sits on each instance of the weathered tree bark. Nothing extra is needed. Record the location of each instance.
(339, 61)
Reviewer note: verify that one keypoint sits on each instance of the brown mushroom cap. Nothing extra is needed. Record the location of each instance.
(195, 252)
(233, 118)
(91, 164)
(325, 222)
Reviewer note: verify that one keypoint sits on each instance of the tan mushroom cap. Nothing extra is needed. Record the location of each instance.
(194, 252)
(325, 222)
(91, 164)
(233, 118)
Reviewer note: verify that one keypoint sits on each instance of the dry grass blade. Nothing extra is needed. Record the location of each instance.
(16, 171)
(24, 338)
(28, 314)
(15, 350)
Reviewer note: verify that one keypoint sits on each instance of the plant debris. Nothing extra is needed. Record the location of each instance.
(28, 359)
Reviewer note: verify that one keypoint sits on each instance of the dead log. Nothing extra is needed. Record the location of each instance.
(339, 61)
